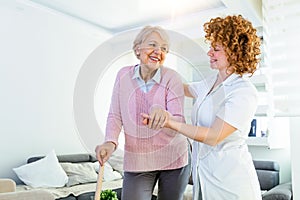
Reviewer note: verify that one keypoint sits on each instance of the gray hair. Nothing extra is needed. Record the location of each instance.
(145, 32)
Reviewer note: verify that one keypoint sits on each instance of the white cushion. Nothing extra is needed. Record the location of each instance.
(45, 172)
(116, 161)
(79, 173)
(109, 174)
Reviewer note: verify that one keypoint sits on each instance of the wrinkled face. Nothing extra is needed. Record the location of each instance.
(218, 58)
(153, 51)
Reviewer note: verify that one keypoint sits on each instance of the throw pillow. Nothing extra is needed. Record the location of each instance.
(116, 161)
(279, 192)
(79, 173)
(109, 174)
(45, 172)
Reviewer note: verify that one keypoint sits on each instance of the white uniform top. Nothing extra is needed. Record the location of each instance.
(226, 171)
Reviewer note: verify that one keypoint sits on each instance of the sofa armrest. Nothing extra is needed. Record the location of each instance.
(7, 185)
(280, 192)
(27, 195)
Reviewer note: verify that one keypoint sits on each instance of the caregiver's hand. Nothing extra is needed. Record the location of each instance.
(158, 118)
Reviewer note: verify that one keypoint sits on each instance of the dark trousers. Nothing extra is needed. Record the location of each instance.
(171, 184)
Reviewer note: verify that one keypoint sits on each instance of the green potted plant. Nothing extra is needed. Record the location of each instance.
(108, 195)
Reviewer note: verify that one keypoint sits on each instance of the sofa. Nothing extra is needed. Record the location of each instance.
(267, 171)
(268, 176)
(8, 192)
(84, 185)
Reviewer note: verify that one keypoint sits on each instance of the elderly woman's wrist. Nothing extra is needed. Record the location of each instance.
(112, 143)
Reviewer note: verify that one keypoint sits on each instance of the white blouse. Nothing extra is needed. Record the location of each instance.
(234, 101)
(225, 170)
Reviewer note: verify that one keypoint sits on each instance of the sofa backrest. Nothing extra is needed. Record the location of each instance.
(268, 173)
(73, 158)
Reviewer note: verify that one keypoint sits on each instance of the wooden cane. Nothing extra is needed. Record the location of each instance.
(99, 183)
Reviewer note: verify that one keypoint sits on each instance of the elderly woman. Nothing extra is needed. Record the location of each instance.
(225, 104)
(150, 156)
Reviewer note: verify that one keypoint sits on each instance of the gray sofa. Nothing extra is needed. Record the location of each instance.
(267, 171)
(268, 176)
(77, 158)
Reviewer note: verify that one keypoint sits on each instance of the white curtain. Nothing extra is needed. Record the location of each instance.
(281, 33)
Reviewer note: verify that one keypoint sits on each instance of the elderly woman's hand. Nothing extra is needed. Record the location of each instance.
(104, 151)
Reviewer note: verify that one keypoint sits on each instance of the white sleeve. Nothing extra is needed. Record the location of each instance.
(239, 108)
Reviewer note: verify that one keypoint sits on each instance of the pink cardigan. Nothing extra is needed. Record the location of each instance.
(147, 149)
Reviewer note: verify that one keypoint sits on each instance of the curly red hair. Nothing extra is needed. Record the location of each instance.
(239, 39)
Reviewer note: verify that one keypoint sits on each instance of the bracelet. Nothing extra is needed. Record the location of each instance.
(113, 144)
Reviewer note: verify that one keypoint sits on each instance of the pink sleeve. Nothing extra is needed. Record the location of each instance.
(175, 96)
(114, 119)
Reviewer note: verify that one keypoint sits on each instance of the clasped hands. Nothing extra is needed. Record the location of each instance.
(156, 119)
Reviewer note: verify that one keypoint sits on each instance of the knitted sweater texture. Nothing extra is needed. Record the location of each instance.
(147, 149)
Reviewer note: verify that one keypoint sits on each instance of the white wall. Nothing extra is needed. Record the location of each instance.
(41, 55)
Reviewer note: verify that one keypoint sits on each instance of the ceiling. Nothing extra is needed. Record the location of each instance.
(186, 16)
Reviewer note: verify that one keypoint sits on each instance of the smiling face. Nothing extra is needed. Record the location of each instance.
(218, 58)
(152, 51)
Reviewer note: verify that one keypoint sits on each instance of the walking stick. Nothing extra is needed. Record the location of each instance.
(99, 183)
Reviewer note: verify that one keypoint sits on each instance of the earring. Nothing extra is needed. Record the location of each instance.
(137, 51)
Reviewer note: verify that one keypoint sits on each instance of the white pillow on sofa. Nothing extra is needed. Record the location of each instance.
(45, 172)
(109, 173)
(79, 173)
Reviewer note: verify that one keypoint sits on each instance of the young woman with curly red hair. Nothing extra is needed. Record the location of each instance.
(224, 106)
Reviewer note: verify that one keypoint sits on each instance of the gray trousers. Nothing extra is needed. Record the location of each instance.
(171, 184)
